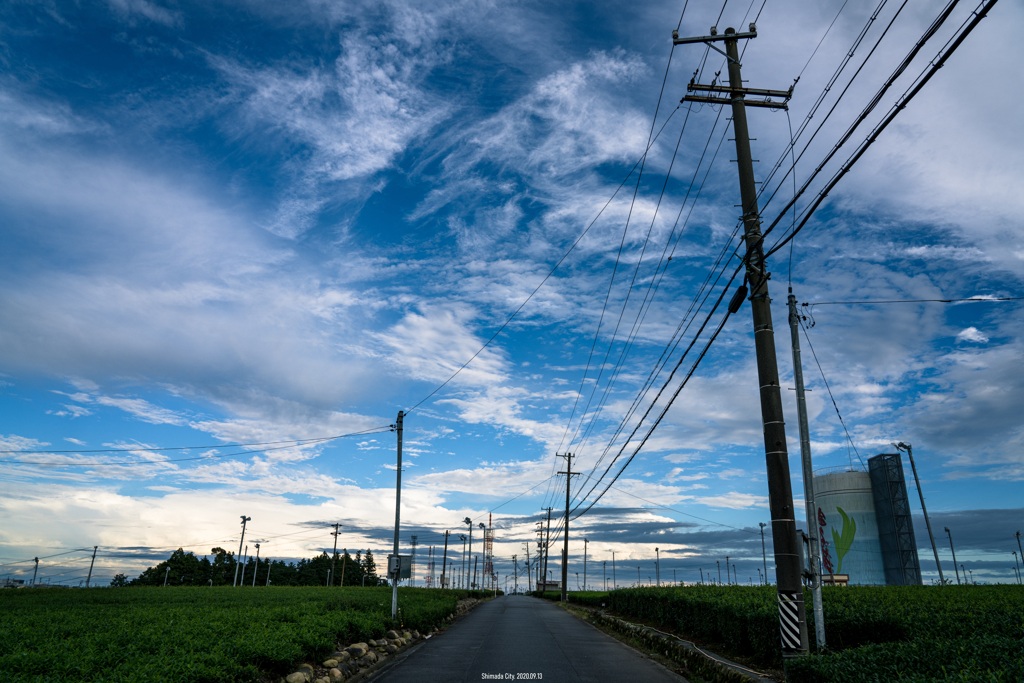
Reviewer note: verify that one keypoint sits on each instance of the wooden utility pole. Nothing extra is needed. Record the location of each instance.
(792, 614)
(565, 545)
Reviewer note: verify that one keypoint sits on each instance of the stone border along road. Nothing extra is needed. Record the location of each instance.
(359, 660)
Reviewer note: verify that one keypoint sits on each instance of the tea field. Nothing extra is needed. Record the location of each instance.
(195, 634)
(874, 633)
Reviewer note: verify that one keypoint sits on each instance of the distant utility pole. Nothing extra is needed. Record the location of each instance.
(335, 555)
(395, 570)
(444, 561)
(256, 569)
(468, 522)
(565, 545)
(89, 577)
(585, 543)
(244, 520)
(526, 547)
(412, 561)
(614, 580)
(792, 614)
(547, 550)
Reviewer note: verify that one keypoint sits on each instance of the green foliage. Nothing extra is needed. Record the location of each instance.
(195, 634)
(843, 542)
(874, 633)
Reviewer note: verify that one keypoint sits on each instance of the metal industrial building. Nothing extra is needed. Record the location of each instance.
(865, 525)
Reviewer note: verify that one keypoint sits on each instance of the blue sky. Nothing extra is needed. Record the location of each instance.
(232, 230)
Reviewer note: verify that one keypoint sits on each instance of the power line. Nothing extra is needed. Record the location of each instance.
(975, 299)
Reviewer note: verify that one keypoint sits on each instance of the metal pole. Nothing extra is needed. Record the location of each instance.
(808, 476)
(931, 537)
(953, 550)
(396, 563)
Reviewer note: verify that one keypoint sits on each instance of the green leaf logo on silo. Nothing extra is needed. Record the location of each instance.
(844, 540)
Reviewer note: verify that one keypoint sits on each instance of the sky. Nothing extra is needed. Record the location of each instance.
(240, 237)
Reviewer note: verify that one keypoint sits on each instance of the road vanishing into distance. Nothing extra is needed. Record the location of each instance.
(522, 638)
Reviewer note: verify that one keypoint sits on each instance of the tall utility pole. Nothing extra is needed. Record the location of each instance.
(89, 577)
(395, 570)
(792, 615)
(813, 530)
(927, 523)
(334, 557)
(244, 520)
(565, 545)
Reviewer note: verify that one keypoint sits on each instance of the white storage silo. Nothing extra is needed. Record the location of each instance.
(849, 527)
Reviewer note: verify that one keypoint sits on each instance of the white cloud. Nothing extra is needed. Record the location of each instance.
(972, 334)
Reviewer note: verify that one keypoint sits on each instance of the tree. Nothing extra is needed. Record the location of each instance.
(119, 581)
(222, 570)
(370, 569)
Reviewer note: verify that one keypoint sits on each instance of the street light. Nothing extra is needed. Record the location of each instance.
(953, 550)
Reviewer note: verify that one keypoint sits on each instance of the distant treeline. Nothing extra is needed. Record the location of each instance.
(185, 569)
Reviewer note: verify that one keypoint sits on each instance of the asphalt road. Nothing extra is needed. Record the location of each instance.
(520, 638)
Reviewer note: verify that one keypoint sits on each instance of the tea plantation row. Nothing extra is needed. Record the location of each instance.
(195, 634)
(892, 633)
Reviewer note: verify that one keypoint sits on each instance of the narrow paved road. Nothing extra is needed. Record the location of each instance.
(520, 638)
